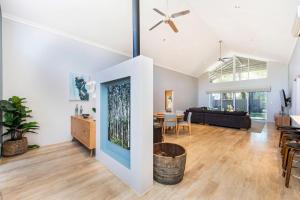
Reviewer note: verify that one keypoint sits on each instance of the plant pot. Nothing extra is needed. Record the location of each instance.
(15, 147)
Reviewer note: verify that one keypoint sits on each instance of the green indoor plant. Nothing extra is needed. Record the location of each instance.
(16, 124)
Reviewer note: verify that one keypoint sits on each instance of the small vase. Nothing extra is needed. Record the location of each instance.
(76, 110)
(81, 110)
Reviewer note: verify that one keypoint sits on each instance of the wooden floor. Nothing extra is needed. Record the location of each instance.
(221, 164)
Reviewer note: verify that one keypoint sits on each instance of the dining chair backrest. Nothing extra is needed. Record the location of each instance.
(170, 119)
(189, 118)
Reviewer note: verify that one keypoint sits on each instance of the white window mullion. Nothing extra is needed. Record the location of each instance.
(248, 96)
(234, 68)
(221, 74)
(221, 99)
(233, 96)
(248, 69)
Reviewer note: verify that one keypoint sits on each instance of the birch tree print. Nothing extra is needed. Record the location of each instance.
(119, 112)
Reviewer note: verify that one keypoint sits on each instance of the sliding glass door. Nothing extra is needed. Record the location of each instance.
(215, 101)
(241, 101)
(227, 101)
(258, 105)
(255, 103)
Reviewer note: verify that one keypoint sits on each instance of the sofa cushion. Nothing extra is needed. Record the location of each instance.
(198, 109)
(236, 113)
(215, 112)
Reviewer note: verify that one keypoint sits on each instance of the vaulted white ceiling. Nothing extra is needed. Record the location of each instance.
(258, 28)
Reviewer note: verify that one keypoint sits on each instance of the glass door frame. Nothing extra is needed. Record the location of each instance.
(234, 101)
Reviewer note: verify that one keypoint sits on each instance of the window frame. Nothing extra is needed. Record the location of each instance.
(234, 100)
(214, 77)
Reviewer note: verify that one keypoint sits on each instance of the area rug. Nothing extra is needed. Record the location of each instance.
(257, 126)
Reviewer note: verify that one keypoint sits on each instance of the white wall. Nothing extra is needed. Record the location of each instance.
(185, 89)
(294, 72)
(294, 65)
(36, 65)
(140, 174)
(277, 80)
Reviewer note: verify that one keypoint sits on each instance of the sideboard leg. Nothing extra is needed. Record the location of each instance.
(91, 152)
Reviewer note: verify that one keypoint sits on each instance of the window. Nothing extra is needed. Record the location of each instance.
(215, 101)
(241, 103)
(227, 71)
(227, 101)
(237, 69)
(255, 103)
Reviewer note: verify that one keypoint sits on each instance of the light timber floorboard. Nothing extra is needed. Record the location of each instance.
(222, 163)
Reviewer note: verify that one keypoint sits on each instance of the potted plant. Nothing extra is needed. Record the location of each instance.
(15, 121)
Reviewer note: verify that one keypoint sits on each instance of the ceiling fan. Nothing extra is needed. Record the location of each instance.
(168, 19)
(222, 59)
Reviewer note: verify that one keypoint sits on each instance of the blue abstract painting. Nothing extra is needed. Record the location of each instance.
(78, 88)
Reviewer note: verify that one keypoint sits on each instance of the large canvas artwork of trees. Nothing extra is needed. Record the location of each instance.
(119, 112)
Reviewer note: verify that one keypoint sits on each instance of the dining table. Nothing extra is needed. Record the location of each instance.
(160, 116)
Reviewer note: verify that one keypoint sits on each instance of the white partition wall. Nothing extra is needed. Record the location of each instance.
(133, 166)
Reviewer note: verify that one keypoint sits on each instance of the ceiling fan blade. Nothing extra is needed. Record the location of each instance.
(159, 12)
(153, 27)
(185, 12)
(221, 60)
(172, 25)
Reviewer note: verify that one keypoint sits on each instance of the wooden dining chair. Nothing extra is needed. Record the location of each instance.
(292, 150)
(170, 121)
(187, 123)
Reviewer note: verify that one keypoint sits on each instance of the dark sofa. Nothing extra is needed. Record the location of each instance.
(236, 119)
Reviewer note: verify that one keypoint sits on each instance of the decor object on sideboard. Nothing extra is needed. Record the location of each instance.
(168, 163)
(76, 110)
(78, 87)
(85, 116)
(91, 88)
(118, 93)
(94, 113)
(80, 110)
(15, 120)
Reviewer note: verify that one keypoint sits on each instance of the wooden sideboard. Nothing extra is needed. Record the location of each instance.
(282, 120)
(84, 131)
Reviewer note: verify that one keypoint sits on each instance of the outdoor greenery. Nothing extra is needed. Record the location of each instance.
(119, 112)
(15, 118)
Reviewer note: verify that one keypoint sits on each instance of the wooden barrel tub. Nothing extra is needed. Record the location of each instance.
(168, 163)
